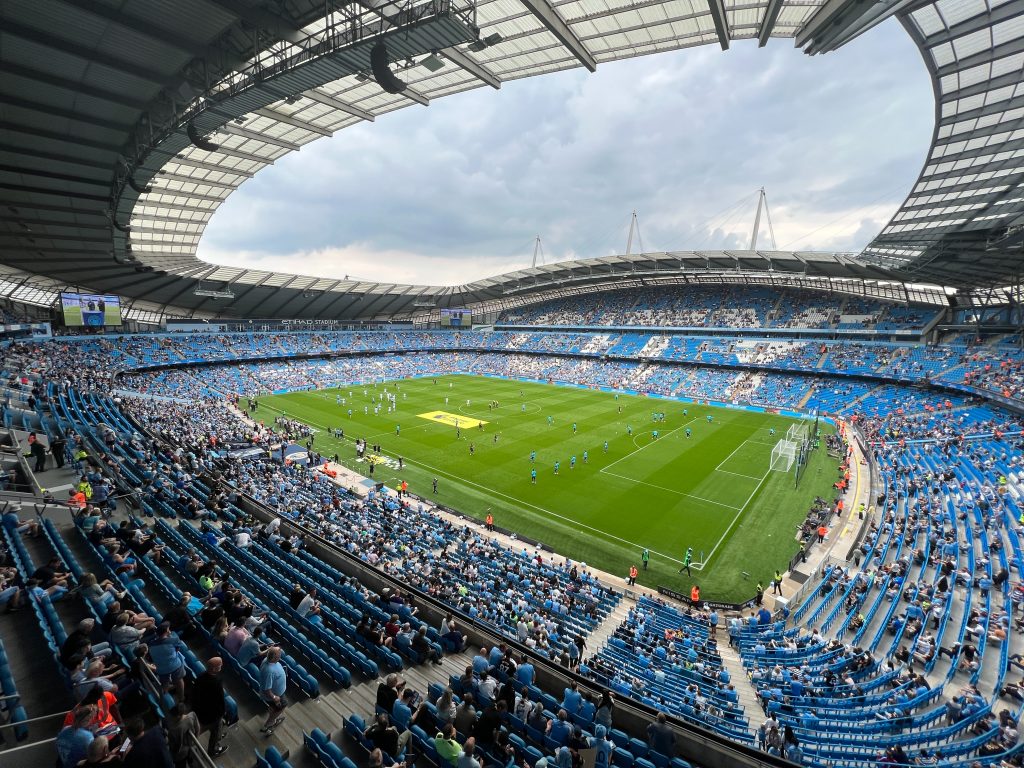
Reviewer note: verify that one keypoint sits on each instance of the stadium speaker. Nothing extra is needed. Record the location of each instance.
(195, 137)
(381, 72)
(951, 298)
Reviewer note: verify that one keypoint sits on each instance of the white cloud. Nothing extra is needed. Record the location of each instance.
(458, 191)
(361, 261)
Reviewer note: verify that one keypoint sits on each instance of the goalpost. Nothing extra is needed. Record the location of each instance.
(798, 433)
(784, 455)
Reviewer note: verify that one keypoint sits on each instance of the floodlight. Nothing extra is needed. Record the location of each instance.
(433, 62)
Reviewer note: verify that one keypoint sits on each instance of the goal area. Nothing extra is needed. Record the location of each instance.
(784, 455)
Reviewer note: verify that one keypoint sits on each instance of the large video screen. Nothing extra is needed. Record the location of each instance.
(456, 318)
(92, 310)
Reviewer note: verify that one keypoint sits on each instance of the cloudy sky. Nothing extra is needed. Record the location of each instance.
(459, 190)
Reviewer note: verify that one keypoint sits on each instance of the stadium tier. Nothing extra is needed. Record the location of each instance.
(898, 646)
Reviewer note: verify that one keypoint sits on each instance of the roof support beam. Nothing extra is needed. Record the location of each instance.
(318, 295)
(169, 206)
(54, 176)
(56, 192)
(192, 162)
(166, 219)
(982, 57)
(988, 109)
(267, 20)
(414, 95)
(140, 27)
(471, 65)
(67, 114)
(178, 193)
(991, 149)
(17, 206)
(557, 26)
(717, 8)
(68, 139)
(53, 42)
(996, 15)
(341, 106)
(54, 157)
(41, 236)
(28, 73)
(193, 180)
(45, 224)
(771, 15)
(257, 136)
(964, 134)
(293, 121)
(1000, 81)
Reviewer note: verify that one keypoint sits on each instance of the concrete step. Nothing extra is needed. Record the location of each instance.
(741, 682)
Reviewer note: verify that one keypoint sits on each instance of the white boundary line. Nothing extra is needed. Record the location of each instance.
(700, 567)
(719, 467)
(674, 490)
(604, 469)
(568, 521)
(738, 474)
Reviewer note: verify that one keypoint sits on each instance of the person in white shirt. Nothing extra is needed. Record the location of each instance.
(308, 605)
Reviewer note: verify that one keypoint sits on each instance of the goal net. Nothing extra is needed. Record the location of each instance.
(784, 455)
(798, 433)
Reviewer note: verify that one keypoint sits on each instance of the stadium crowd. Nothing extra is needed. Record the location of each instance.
(905, 649)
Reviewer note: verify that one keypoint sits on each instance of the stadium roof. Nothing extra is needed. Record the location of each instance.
(125, 124)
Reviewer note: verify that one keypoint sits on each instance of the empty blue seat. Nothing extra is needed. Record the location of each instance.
(621, 738)
(638, 747)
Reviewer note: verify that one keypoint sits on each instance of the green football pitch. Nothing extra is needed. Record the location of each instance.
(711, 490)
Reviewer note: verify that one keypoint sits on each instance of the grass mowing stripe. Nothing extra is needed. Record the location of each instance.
(736, 517)
(439, 471)
(646, 445)
(666, 497)
(671, 490)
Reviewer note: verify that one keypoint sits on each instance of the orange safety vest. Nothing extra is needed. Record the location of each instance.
(633, 572)
(695, 594)
(490, 519)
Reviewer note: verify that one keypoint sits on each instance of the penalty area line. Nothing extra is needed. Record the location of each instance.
(673, 490)
(729, 528)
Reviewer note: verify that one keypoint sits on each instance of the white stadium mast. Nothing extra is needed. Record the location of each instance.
(762, 202)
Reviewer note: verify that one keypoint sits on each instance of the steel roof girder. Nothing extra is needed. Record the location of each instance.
(293, 121)
(245, 133)
(465, 61)
(556, 25)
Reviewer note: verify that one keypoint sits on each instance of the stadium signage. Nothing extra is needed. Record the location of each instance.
(704, 603)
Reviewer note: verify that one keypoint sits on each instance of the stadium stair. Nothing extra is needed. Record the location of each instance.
(599, 637)
(327, 713)
(745, 690)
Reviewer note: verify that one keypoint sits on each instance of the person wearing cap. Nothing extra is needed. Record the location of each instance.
(603, 747)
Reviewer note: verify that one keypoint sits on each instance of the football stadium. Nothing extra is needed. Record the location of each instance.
(656, 509)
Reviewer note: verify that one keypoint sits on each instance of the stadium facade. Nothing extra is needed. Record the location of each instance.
(125, 128)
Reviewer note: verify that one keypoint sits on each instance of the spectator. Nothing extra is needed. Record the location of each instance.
(207, 700)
